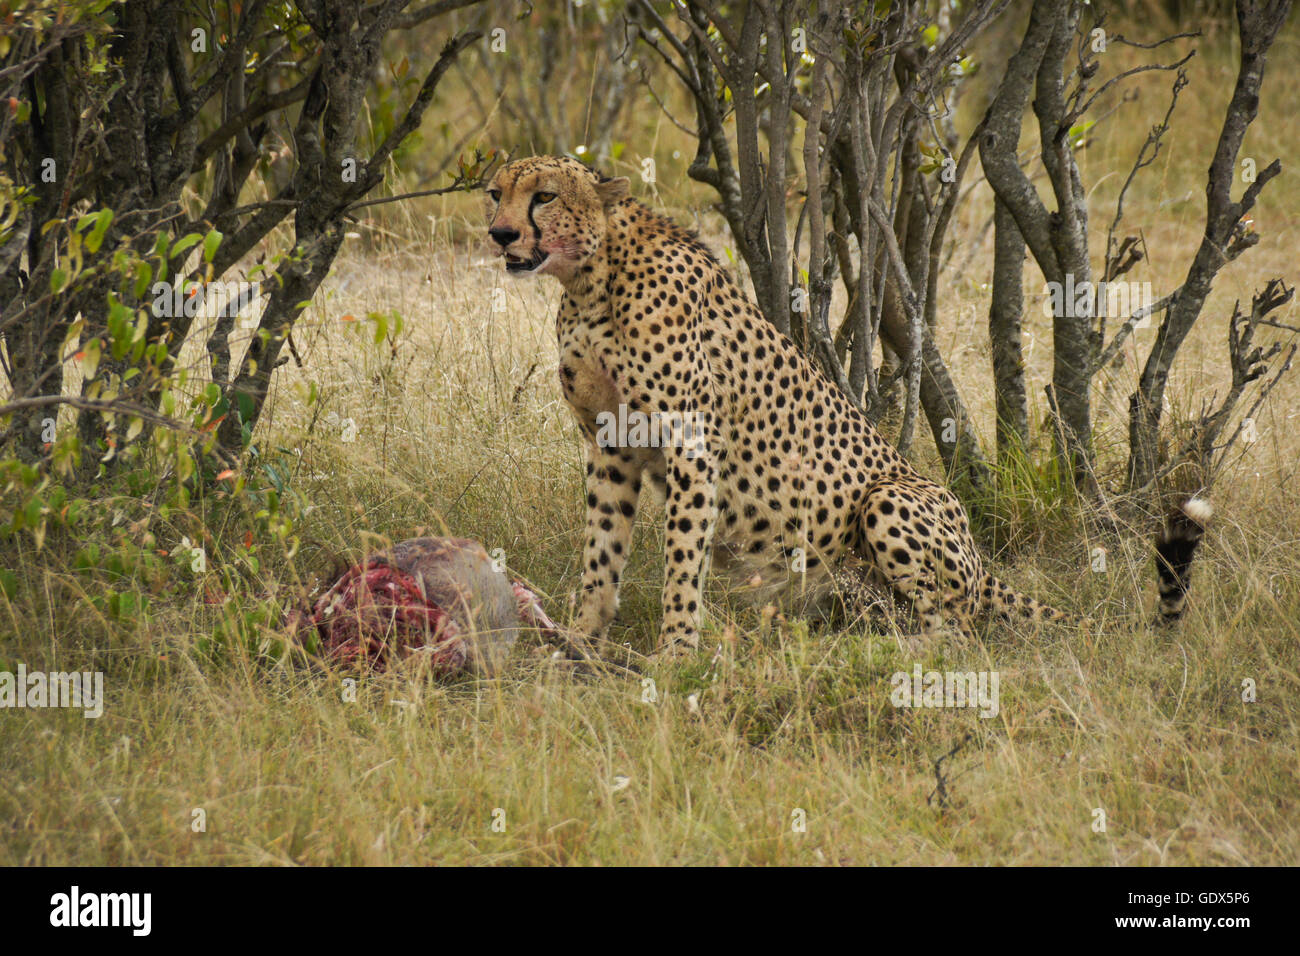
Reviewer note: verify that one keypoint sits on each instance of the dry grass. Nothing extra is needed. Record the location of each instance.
(462, 427)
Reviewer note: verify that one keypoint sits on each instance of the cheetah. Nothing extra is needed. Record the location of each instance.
(780, 478)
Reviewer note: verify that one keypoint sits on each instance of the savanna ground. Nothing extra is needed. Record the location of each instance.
(457, 424)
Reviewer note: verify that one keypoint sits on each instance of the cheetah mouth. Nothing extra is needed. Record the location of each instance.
(523, 266)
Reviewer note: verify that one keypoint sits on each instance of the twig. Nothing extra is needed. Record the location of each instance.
(940, 781)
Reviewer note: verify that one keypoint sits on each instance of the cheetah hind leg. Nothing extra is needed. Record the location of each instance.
(919, 590)
(917, 587)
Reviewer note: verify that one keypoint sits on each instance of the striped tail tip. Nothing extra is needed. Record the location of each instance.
(1175, 548)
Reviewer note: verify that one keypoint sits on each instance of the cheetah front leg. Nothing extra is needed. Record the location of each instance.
(613, 487)
(690, 516)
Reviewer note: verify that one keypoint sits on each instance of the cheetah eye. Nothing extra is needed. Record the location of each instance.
(495, 194)
(543, 198)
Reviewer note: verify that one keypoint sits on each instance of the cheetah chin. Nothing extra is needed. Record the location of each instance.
(525, 267)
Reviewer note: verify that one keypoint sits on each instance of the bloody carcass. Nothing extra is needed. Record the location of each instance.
(440, 597)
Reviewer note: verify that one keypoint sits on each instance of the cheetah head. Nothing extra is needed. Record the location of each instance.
(546, 214)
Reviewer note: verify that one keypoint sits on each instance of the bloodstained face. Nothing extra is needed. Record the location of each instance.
(546, 214)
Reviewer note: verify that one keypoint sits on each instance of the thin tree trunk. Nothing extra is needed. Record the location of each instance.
(1005, 312)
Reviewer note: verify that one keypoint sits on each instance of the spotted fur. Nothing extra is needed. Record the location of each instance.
(784, 479)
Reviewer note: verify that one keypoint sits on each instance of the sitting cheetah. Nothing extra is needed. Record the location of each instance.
(778, 477)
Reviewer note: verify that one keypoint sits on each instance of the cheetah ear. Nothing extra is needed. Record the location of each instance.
(611, 191)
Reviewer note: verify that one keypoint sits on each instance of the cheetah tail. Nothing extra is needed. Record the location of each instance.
(1175, 548)
(1001, 600)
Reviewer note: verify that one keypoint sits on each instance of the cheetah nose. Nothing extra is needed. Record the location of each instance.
(503, 235)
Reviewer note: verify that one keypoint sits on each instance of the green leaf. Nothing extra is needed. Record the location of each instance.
(143, 276)
(1079, 129)
(96, 237)
(90, 359)
(210, 243)
(120, 333)
(185, 242)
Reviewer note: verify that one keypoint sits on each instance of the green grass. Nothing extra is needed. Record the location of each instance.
(461, 428)
(789, 714)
